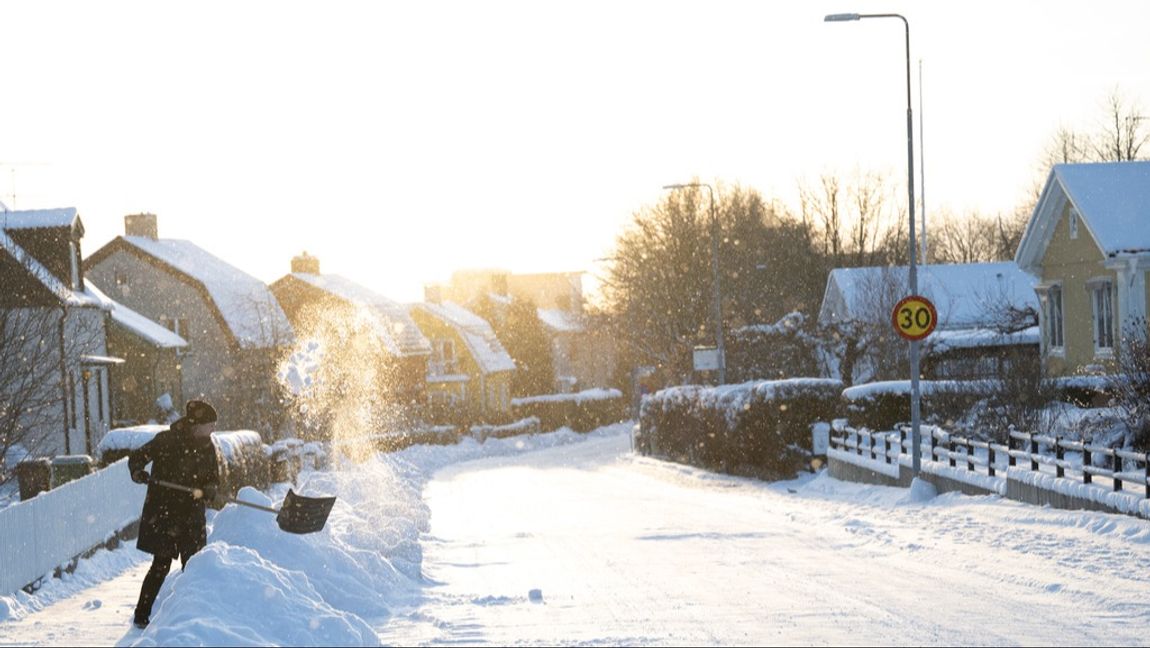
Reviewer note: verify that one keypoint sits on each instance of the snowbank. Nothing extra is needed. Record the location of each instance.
(257, 585)
(232, 596)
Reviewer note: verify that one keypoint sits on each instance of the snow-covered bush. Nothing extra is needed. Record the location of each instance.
(583, 411)
(119, 443)
(529, 425)
(243, 462)
(885, 404)
(759, 428)
(394, 440)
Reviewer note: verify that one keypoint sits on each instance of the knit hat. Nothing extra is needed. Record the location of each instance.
(198, 411)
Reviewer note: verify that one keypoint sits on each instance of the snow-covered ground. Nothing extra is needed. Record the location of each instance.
(570, 539)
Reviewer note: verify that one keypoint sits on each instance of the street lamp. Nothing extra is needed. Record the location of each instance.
(916, 438)
(715, 290)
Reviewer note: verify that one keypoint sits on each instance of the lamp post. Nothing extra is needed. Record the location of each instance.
(916, 438)
(716, 292)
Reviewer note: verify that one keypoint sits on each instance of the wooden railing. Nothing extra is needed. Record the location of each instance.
(1040, 453)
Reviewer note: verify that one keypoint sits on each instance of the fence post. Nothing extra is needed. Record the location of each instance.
(969, 455)
(901, 441)
(950, 449)
(1087, 457)
(931, 444)
(990, 459)
(1033, 453)
(1059, 471)
(1146, 475)
(1117, 467)
(1010, 447)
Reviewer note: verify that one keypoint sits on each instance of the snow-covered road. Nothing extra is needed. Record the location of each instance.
(571, 539)
(626, 550)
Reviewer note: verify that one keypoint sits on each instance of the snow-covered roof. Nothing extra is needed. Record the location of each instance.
(143, 327)
(37, 270)
(505, 300)
(1111, 198)
(949, 340)
(36, 218)
(560, 321)
(964, 294)
(247, 305)
(488, 352)
(398, 331)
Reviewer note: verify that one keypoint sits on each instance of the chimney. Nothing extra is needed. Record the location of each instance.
(141, 225)
(305, 264)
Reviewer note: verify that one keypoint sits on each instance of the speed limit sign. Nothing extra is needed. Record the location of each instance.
(914, 317)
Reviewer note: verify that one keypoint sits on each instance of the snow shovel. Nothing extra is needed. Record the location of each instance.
(298, 514)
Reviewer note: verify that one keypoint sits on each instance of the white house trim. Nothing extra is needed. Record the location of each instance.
(1131, 286)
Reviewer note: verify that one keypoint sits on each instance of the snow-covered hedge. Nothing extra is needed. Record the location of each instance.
(528, 425)
(242, 458)
(119, 443)
(582, 411)
(394, 440)
(1085, 391)
(883, 405)
(759, 428)
(243, 462)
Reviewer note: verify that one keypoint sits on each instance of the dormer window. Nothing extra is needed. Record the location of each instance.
(1073, 223)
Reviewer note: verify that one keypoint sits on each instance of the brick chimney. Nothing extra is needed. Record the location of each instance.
(305, 264)
(141, 225)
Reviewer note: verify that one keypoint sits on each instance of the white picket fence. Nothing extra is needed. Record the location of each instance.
(42, 533)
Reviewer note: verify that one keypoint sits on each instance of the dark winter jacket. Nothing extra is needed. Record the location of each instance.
(173, 523)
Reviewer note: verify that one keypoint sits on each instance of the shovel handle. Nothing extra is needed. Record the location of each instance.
(181, 487)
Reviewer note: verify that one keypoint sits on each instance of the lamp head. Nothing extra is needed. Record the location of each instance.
(842, 17)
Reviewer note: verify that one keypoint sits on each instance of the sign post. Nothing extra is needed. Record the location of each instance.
(914, 318)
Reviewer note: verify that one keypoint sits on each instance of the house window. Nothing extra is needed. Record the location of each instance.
(1054, 318)
(1102, 299)
(121, 279)
(74, 256)
(1073, 223)
(445, 356)
(179, 326)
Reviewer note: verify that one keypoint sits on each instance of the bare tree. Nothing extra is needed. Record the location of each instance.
(820, 208)
(868, 193)
(1132, 383)
(1121, 136)
(851, 219)
(38, 346)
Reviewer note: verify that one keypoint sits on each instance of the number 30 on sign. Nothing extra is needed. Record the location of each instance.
(914, 317)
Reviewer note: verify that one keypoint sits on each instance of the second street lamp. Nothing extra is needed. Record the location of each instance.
(716, 292)
(916, 436)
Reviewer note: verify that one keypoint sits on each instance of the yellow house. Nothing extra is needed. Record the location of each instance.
(469, 372)
(1088, 241)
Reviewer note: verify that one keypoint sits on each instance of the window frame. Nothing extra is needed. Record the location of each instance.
(1102, 300)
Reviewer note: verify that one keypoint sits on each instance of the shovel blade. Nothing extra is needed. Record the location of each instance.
(301, 514)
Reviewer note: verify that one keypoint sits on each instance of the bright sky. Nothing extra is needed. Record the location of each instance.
(401, 141)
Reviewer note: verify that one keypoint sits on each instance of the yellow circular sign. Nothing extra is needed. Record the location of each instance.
(914, 317)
